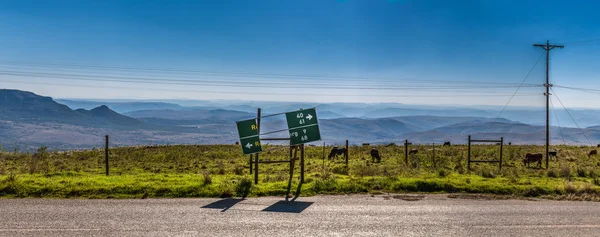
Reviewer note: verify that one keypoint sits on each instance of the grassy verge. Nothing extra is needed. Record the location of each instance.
(81, 185)
(220, 171)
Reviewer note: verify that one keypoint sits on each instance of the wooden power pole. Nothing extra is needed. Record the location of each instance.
(548, 47)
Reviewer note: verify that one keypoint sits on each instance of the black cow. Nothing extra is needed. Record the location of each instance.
(553, 154)
(529, 158)
(413, 151)
(592, 153)
(446, 143)
(336, 151)
(375, 155)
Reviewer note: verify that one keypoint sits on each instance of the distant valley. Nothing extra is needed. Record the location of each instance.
(28, 121)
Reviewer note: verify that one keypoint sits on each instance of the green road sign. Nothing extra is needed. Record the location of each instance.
(249, 138)
(251, 145)
(301, 118)
(247, 128)
(305, 134)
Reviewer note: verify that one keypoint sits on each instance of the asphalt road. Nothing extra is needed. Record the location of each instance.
(356, 215)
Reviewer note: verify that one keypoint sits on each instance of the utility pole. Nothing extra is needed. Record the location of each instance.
(548, 47)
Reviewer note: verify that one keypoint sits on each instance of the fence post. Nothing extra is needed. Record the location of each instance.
(406, 151)
(433, 155)
(302, 163)
(106, 155)
(501, 148)
(250, 162)
(346, 154)
(469, 154)
(256, 155)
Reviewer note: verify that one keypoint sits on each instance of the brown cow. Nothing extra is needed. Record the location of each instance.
(529, 158)
(592, 153)
(413, 151)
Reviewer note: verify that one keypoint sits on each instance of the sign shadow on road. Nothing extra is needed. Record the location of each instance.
(223, 204)
(289, 207)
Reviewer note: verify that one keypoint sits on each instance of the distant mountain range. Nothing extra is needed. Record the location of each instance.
(28, 121)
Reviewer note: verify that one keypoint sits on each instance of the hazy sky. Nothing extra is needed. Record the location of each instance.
(406, 51)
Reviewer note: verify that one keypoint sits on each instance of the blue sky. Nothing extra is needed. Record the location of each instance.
(416, 46)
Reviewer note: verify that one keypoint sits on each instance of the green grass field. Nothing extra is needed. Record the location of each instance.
(222, 171)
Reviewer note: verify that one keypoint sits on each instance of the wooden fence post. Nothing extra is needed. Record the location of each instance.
(406, 151)
(469, 154)
(106, 155)
(346, 154)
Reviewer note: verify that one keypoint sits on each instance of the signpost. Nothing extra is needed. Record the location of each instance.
(303, 126)
(303, 135)
(249, 137)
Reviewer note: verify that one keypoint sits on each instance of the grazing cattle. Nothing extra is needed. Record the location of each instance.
(592, 153)
(413, 151)
(336, 151)
(509, 143)
(375, 155)
(366, 144)
(529, 158)
(446, 143)
(598, 145)
(553, 154)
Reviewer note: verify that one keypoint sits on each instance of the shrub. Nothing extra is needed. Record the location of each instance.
(239, 170)
(242, 189)
(340, 170)
(207, 179)
(570, 188)
(328, 185)
(443, 173)
(486, 173)
(581, 172)
(565, 172)
(552, 173)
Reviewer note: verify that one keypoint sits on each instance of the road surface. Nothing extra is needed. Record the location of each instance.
(355, 215)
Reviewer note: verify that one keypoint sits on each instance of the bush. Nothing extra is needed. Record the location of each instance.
(242, 189)
(570, 188)
(207, 178)
(239, 170)
(581, 172)
(565, 172)
(328, 185)
(340, 170)
(486, 173)
(552, 173)
(443, 173)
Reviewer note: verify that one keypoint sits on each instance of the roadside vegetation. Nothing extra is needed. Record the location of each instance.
(222, 171)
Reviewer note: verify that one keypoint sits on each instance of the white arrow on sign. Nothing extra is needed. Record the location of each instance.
(309, 117)
(249, 145)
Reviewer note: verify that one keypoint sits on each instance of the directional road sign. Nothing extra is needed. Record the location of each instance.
(301, 135)
(303, 126)
(249, 139)
(301, 118)
(250, 145)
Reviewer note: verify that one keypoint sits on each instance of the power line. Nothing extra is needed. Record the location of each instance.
(513, 96)
(227, 84)
(238, 74)
(572, 118)
(579, 89)
(257, 93)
